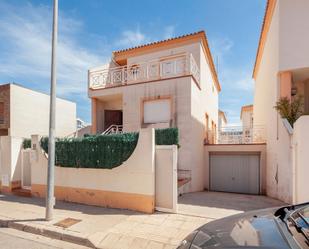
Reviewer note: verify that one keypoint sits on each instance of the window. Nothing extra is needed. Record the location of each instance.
(1, 113)
(157, 111)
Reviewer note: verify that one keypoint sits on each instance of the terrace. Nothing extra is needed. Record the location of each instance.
(237, 135)
(170, 67)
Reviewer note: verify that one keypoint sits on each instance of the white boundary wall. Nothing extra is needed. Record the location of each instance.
(130, 185)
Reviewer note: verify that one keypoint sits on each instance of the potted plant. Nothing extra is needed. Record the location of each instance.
(290, 109)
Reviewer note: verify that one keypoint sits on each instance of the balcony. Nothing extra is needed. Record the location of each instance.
(144, 72)
(238, 135)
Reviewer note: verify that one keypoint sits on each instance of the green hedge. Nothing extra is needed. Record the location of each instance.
(27, 143)
(167, 136)
(100, 151)
(103, 151)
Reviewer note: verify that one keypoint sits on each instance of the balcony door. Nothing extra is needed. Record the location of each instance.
(112, 117)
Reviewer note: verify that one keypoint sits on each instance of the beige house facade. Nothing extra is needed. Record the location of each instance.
(222, 120)
(170, 83)
(24, 112)
(246, 116)
(282, 70)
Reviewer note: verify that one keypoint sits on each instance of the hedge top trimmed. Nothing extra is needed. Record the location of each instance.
(103, 151)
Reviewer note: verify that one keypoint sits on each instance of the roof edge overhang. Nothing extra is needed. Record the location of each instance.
(270, 8)
(121, 56)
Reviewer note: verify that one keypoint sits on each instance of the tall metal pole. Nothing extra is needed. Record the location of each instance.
(50, 199)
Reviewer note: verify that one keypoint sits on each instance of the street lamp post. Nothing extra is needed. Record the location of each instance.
(50, 199)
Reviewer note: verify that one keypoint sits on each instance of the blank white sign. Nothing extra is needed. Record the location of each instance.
(157, 111)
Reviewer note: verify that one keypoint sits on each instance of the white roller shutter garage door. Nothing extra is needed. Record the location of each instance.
(236, 173)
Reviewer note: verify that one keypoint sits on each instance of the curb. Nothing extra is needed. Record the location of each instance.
(50, 233)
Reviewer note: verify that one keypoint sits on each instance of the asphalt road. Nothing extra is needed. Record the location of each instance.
(14, 239)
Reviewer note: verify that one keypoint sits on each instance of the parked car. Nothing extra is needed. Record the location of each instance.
(286, 227)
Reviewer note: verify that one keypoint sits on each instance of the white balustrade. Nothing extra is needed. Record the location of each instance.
(237, 135)
(143, 72)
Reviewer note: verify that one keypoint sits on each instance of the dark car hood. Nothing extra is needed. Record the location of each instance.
(257, 229)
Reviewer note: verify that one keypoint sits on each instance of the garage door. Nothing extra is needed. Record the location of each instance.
(237, 173)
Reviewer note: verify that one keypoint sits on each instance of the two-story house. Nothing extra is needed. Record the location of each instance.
(282, 70)
(169, 83)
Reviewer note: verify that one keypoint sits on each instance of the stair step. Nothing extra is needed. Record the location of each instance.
(22, 192)
(183, 181)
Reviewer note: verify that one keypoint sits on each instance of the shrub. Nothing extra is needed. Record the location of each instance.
(27, 143)
(44, 144)
(290, 110)
(102, 151)
(167, 136)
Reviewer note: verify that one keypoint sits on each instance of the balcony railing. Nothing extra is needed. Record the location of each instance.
(149, 71)
(237, 135)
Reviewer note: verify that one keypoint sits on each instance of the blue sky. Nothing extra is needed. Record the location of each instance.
(90, 29)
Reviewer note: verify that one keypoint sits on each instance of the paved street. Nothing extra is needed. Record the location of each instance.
(14, 239)
(216, 205)
(105, 228)
(108, 228)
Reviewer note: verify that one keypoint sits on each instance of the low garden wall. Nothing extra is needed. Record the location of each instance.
(130, 185)
(300, 160)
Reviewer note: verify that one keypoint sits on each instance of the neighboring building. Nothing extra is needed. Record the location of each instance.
(246, 116)
(24, 112)
(282, 70)
(80, 124)
(222, 120)
(170, 83)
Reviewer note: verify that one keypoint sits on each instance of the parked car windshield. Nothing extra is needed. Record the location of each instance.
(300, 219)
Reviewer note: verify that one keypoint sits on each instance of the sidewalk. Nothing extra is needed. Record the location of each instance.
(99, 227)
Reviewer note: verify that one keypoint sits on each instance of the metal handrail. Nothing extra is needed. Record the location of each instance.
(113, 129)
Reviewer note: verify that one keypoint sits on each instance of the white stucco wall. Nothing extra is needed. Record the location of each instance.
(166, 184)
(246, 119)
(265, 97)
(301, 145)
(221, 122)
(136, 175)
(5, 160)
(265, 91)
(202, 101)
(286, 48)
(10, 157)
(29, 113)
(294, 36)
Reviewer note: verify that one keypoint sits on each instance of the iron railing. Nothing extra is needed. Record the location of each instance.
(113, 129)
(148, 71)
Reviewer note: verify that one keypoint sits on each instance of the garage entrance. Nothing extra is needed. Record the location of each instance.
(235, 172)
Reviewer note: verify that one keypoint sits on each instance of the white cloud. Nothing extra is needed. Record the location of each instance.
(245, 82)
(130, 38)
(220, 47)
(26, 30)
